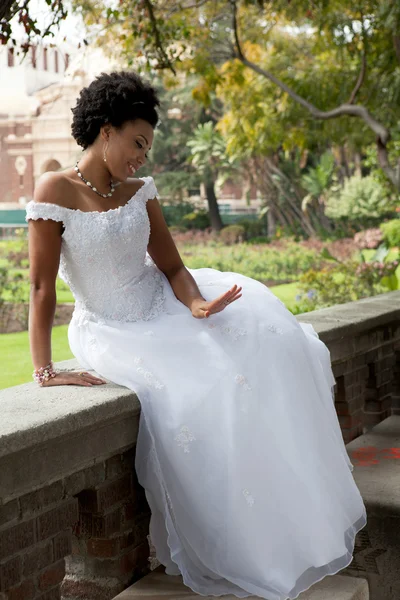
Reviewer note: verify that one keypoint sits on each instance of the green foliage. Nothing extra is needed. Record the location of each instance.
(316, 182)
(260, 239)
(264, 262)
(174, 213)
(17, 255)
(253, 229)
(174, 184)
(196, 220)
(371, 161)
(208, 152)
(360, 198)
(348, 280)
(391, 233)
(232, 234)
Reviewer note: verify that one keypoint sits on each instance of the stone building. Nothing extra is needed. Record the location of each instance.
(35, 122)
(21, 77)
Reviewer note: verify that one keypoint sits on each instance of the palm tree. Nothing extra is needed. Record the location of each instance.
(208, 155)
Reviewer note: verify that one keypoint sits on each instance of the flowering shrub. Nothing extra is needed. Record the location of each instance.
(331, 285)
(344, 282)
(369, 238)
(372, 273)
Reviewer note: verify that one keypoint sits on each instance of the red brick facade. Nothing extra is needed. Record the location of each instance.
(15, 142)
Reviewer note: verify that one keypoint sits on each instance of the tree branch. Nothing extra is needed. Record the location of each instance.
(360, 78)
(157, 36)
(381, 132)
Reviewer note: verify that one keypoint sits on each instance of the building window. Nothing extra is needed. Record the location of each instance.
(34, 65)
(45, 59)
(56, 60)
(10, 57)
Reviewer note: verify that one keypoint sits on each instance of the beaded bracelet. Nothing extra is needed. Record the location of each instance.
(43, 374)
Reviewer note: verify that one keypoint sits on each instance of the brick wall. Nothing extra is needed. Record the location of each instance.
(365, 385)
(364, 341)
(10, 181)
(97, 517)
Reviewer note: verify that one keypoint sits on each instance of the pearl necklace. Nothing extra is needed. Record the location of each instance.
(112, 184)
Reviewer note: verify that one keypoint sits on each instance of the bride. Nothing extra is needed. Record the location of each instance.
(239, 450)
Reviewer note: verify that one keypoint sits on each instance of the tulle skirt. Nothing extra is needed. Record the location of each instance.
(239, 448)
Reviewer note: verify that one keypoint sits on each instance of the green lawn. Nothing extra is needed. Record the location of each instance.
(286, 292)
(15, 356)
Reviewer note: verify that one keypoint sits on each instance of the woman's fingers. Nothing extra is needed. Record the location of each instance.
(222, 302)
(229, 296)
(93, 379)
(74, 378)
(226, 297)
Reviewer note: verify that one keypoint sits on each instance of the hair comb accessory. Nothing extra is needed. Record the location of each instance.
(141, 102)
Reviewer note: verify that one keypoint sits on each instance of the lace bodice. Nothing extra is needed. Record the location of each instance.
(104, 258)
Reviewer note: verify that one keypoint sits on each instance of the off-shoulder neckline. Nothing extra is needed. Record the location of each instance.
(146, 180)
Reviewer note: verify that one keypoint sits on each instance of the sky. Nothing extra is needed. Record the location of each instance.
(72, 27)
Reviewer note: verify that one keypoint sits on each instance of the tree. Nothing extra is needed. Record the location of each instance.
(201, 35)
(208, 155)
(359, 42)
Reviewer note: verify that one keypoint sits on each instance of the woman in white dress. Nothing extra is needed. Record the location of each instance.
(240, 450)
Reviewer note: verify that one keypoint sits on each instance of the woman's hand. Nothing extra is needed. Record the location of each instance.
(74, 378)
(201, 309)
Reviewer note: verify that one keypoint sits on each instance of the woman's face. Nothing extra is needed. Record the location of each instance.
(127, 148)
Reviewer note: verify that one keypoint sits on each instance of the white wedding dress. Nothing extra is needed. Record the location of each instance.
(240, 449)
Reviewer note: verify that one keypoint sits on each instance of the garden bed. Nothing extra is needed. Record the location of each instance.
(14, 317)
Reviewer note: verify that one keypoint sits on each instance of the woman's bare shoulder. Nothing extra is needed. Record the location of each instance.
(54, 187)
(132, 185)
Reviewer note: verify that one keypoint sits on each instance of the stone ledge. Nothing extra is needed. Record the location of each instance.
(77, 427)
(32, 415)
(344, 320)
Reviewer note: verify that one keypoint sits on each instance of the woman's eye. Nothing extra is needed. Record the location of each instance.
(141, 146)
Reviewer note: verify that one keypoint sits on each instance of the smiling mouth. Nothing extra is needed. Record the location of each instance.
(132, 168)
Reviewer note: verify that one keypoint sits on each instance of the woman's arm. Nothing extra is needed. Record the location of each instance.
(45, 236)
(44, 259)
(164, 252)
